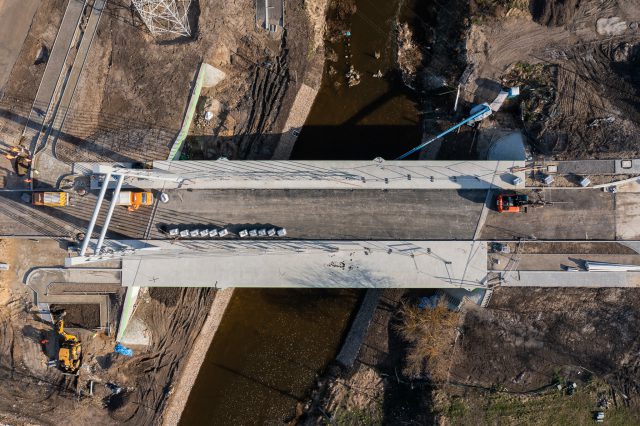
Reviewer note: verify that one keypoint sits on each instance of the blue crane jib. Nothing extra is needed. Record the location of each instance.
(478, 113)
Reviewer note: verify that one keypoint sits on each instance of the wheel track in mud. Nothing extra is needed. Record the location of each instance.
(266, 94)
(176, 327)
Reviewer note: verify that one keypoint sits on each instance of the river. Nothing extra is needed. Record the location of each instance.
(378, 117)
(272, 343)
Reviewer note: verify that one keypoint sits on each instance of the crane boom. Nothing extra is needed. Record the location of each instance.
(478, 112)
(484, 110)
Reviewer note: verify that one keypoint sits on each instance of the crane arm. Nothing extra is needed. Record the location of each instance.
(484, 110)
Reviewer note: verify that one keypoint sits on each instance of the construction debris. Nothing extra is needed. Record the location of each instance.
(353, 77)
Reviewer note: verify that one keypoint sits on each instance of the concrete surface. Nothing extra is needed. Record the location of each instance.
(224, 174)
(136, 334)
(627, 216)
(359, 327)
(628, 166)
(339, 264)
(295, 121)
(551, 262)
(572, 279)
(53, 71)
(40, 280)
(15, 21)
(509, 147)
(587, 167)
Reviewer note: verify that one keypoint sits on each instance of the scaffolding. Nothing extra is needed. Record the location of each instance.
(165, 16)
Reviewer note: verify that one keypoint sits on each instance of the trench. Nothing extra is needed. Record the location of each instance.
(272, 344)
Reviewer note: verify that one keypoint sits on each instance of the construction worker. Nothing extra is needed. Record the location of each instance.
(9, 156)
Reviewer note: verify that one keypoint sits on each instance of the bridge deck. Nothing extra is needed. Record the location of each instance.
(315, 264)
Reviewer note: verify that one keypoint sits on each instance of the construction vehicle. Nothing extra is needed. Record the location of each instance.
(134, 199)
(70, 352)
(54, 199)
(478, 113)
(510, 202)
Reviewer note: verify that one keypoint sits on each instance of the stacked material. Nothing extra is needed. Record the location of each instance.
(609, 267)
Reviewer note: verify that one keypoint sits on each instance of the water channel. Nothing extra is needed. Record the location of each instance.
(272, 343)
(376, 118)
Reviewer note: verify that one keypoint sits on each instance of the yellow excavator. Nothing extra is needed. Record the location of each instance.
(70, 352)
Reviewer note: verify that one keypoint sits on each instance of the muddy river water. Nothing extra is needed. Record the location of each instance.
(272, 343)
(376, 118)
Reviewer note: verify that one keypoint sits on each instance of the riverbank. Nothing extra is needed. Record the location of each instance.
(187, 378)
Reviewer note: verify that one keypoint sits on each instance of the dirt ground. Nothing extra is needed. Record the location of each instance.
(129, 106)
(133, 91)
(34, 393)
(117, 114)
(528, 341)
(580, 93)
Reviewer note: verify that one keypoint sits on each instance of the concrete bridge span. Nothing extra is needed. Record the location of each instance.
(328, 175)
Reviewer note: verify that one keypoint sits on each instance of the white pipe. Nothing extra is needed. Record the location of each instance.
(266, 14)
(94, 217)
(112, 207)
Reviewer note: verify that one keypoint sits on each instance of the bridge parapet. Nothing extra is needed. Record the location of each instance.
(377, 174)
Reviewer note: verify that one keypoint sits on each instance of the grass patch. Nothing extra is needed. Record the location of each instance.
(356, 417)
(553, 407)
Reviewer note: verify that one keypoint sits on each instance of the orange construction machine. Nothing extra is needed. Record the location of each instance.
(512, 203)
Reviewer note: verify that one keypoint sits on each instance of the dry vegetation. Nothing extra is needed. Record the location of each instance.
(410, 54)
(430, 334)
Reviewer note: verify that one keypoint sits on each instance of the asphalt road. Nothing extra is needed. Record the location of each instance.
(331, 214)
(339, 214)
(574, 215)
(18, 218)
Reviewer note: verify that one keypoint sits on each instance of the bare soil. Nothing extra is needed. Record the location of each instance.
(82, 316)
(34, 393)
(574, 76)
(530, 340)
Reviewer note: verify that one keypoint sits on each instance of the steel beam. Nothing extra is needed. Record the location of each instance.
(112, 206)
(94, 217)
